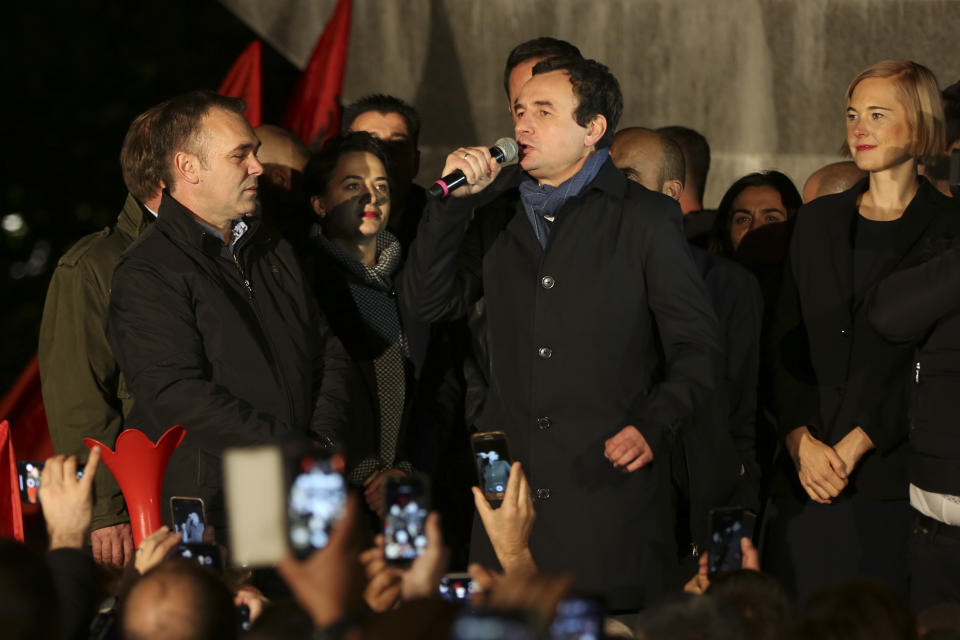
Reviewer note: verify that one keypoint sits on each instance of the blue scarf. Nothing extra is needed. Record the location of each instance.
(542, 202)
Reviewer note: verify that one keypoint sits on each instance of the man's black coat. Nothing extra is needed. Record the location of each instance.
(231, 347)
(608, 326)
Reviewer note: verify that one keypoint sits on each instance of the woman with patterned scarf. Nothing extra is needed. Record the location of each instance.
(357, 261)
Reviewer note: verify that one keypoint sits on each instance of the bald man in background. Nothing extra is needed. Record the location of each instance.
(656, 161)
(835, 177)
(282, 200)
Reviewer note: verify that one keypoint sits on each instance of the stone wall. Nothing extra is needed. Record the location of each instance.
(764, 80)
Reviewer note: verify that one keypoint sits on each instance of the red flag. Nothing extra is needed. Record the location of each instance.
(11, 515)
(244, 81)
(313, 114)
(23, 407)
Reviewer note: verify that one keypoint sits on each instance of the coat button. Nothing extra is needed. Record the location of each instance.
(547, 282)
(545, 352)
(844, 332)
(543, 423)
(543, 494)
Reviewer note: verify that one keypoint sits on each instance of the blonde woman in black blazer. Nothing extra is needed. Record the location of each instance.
(841, 510)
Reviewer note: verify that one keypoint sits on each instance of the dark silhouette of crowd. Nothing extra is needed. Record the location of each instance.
(783, 364)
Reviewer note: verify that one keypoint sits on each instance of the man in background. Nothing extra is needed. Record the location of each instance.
(397, 125)
(84, 392)
(727, 428)
(835, 177)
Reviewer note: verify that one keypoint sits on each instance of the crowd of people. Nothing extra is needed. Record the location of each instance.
(649, 361)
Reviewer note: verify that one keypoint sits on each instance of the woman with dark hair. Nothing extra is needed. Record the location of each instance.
(753, 201)
(357, 261)
(841, 389)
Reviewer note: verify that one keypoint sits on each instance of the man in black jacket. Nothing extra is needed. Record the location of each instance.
(602, 340)
(210, 317)
(654, 160)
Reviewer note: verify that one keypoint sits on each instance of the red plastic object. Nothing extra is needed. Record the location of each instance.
(138, 465)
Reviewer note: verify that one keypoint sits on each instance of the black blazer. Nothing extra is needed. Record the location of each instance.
(832, 370)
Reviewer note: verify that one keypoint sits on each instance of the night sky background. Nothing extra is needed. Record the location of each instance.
(75, 74)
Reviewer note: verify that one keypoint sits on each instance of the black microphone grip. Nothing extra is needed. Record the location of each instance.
(504, 151)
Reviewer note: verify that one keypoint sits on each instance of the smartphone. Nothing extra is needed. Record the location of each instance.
(727, 526)
(406, 505)
(492, 625)
(493, 464)
(205, 554)
(316, 502)
(578, 618)
(29, 476)
(189, 518)
(243, 617)
(254, 488)
(457, 587)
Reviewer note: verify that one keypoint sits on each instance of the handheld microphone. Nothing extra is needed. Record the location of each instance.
(505, 150)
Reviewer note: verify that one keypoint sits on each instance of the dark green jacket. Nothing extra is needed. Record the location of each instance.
(84, 394)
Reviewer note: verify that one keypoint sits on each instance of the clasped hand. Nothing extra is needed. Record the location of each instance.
(823, 473)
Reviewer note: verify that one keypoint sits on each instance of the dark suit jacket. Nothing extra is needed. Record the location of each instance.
(920, 306)
(608, 326)
(833, 371)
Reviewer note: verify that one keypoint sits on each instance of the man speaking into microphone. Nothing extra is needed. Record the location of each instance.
(602, 340)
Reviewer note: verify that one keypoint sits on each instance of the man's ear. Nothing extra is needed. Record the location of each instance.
(279, 175)
(186, 167)
(673, 188)
(595, 130)
(318, 205)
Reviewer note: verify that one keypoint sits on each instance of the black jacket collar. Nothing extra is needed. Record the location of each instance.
(916, 218)
(179, 223)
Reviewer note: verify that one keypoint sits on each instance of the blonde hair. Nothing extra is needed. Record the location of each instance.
(920, 95)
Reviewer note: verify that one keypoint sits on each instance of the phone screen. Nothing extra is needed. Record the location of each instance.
(492, 625)
(406, 510)
(205, 554)
(457, 587)
(188, 518)
(29, 477)
(493, 464)
(727, 527)
(315, 503)
(578, 618)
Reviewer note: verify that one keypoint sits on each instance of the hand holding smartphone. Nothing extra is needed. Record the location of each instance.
(727, 526)
(29, 477)
(279, 503)
(492, 457)
(457, 587)
(406, 506)
(315, 504)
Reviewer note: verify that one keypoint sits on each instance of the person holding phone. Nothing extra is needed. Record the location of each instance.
(841, 389)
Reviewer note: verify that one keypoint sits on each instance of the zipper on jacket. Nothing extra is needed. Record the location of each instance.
(916, 372)
(266, 334)
(243, 277)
